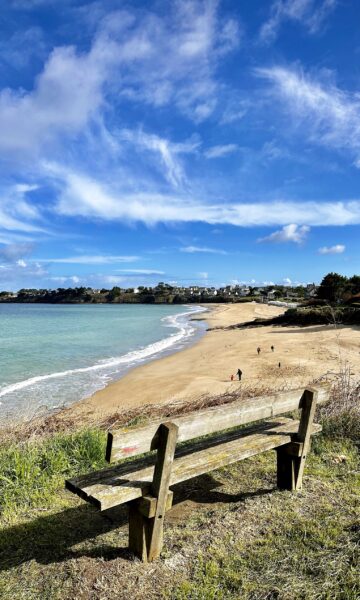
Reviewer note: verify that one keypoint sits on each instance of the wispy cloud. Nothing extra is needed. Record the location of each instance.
(89, 260)
(218, 151)
(11, 253)
(337, 249)
(20, 219)
(170, 165)
(14, 264)
(167, 60)
(141, 271)
(328, 115)
(83, 196)
(289, 233)
(310, 13)
(203, 249)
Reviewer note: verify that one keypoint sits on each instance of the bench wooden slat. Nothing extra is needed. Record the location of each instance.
(125, 442)
(114, 486)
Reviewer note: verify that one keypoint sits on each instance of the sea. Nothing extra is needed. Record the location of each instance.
(53, 355)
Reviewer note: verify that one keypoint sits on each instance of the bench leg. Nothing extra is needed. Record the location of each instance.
(140, 529)
(145, 532)
(287, 469)
(141, 523)
(292, 457)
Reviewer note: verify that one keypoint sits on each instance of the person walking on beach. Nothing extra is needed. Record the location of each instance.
(272, 348)
(258, 350)
(239, 374)
(279, 365)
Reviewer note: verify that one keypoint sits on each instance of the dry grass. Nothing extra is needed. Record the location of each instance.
(340, 417)
(65, 422)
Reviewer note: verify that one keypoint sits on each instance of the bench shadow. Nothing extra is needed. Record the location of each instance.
(51, 538)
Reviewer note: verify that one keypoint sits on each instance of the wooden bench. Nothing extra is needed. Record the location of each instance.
(143, 483)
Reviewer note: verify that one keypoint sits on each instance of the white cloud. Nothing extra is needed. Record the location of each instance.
(56, 104)
(20, 219)
(203, 275)
(289, 233)
(218, 151)
(168, 151)
(69, 279)
(141, 271)
(287, 281)
(167, 60)
(80, 195)
(21, 263)
(310, 13)
(328, 115)
(194, 249)
(13, 267)
(337, 249)
(89, 260)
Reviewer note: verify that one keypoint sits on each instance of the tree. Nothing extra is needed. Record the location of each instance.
(332, 287)
(354, 284)
(114, 293)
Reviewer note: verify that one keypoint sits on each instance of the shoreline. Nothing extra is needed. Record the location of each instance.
(184, 332)
(205, 368)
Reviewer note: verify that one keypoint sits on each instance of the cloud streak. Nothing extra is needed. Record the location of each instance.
(89, 260)
(85, 197)
(202, 249)
(331, 116)
(337, 249)
(311, 14)
(218, 151)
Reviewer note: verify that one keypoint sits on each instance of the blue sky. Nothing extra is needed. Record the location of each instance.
(195, 141)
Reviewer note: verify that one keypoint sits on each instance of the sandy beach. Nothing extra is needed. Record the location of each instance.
(206, 367)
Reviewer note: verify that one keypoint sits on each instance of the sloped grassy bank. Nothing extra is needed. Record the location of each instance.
(307, 315)
(231, 534)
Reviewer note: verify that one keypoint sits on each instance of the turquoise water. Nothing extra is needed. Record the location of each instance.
(53, 355)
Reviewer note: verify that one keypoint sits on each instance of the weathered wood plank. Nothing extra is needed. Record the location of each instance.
(147, 504)
(114, 486)
(131, 442)
(303, 436)
(160, 484)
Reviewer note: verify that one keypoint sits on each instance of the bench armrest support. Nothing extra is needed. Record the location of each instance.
(145, 532)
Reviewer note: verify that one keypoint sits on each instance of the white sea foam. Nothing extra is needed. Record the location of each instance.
(180, 321)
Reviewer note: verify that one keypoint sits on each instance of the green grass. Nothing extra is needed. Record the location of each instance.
(307, 546)
(31, 473)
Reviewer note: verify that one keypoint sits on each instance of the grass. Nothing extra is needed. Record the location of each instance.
(230, 535)
(303, 547)
(30, 473)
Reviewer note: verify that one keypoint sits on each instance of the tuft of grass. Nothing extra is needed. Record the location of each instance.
(31, 472)
(340, 417)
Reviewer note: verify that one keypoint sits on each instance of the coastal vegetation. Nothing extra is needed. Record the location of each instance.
(163, 293)
(333, 289)
(241, 537)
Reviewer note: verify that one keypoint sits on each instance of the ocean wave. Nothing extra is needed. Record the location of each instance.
(180, 321)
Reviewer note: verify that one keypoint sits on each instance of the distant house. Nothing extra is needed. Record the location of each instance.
(244, 291)
(311, 291)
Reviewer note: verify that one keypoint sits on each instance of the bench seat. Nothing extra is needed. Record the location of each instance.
(132, 479)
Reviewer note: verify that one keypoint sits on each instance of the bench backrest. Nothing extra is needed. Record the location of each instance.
(126, 442)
